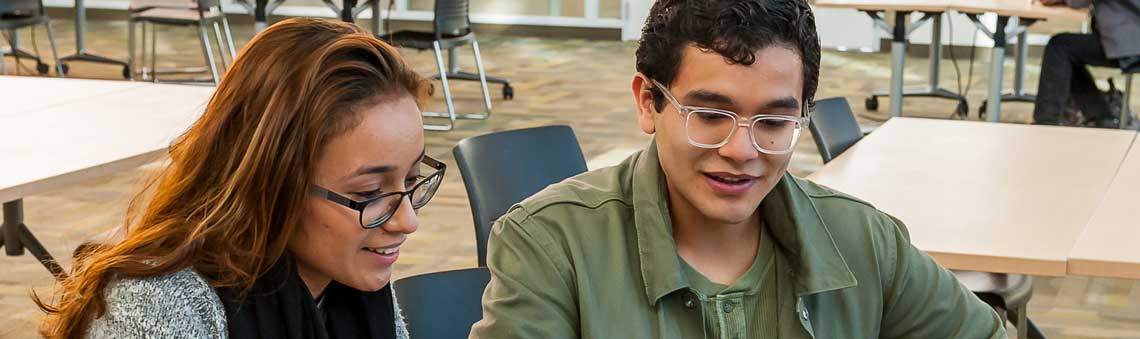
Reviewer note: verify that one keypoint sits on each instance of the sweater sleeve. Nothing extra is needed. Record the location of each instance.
(176, 305)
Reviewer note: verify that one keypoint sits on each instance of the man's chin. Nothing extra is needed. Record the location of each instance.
(729, 215)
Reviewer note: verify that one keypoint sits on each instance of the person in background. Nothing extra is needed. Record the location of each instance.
(704, 233)
(282, 209)
(1114, 42)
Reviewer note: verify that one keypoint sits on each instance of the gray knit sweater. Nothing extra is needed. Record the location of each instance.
(176, 305)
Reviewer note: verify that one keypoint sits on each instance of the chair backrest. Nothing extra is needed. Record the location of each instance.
(21, 7)
(834, 128)
(501, 169)
(206, 6)
(451, 18)
(442, 305)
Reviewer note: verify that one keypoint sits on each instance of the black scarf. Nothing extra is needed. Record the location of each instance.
(280, 306)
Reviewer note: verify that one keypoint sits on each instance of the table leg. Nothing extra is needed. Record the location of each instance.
(1022, 56)
(346, 9)
(997, 59)
(13, 219)
(377, 28)
(898, 58)
(17, 236)
(260, 16)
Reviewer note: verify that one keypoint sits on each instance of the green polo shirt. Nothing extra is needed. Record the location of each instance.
(594, 257)
(748, 307)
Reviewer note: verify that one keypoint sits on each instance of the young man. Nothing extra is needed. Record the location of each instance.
(703, 234)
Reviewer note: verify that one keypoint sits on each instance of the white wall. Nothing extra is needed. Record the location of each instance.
(846, 29)
(634, 13)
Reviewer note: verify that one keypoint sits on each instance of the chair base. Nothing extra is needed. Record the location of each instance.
(15, 51)
(872, 101)
(83, 56)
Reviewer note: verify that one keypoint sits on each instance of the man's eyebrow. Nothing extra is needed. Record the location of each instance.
(702, 96)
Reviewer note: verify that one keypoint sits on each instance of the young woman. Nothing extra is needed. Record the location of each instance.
(283, 207)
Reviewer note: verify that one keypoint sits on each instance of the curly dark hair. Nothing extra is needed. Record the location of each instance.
(735, 29)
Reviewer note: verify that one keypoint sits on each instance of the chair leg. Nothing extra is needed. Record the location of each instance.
(1125, 105)
(205, 40)
(446, 93)
(143, 58)
(482, 79)
(229, 38)
(1025, 326)
(1021, 322)
(221, 49)
(131, 48)
(14, 41)
(3, 61)
(153, 53)
(54, 55)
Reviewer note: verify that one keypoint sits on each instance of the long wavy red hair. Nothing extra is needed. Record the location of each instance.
(231, 196)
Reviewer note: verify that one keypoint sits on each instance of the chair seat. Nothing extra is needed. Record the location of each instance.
(172, 16)
(442, 304)
(142, 5)
(17, 22)
(1008, 289)
(423, 40)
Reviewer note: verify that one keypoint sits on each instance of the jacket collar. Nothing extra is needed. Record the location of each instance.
(788, 211)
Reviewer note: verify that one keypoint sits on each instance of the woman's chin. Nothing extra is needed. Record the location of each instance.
(372, 282)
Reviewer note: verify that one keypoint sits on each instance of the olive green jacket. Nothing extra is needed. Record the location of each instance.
(594, 257)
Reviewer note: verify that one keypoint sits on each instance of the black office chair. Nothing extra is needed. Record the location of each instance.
(1009, 294)
(501, 169)
(442, 305)
(451, 28)
(834, 128)
(18, 14)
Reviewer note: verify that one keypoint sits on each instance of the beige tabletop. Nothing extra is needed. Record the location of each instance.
(1030, 9)
(977, 196)
(885, 5)
(57, 145)
(1019, 8)
(1110, 244)
(24, 94)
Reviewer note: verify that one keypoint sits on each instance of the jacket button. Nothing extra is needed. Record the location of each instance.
(688, 303)
(804, 314)
(727, 307)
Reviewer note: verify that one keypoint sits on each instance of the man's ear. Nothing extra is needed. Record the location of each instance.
(643, 97)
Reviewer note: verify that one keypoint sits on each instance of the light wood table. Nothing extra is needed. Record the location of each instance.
(25, 94)
(886, 5)
(1026, 9)
(899, 30)
(53, 146)
(1110, 244)
(976, 196)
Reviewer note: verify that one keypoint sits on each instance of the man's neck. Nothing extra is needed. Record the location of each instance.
(719, 251)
